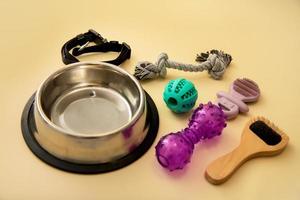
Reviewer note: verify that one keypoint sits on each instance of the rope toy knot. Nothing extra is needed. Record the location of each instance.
(147, 70)
(214, 61)
(218, 61)
(162, 64)
(218, 67)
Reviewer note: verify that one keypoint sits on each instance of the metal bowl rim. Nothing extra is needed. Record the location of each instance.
(94, 64)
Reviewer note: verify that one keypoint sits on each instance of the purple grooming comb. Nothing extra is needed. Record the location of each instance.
(241, 91)
(174, 150)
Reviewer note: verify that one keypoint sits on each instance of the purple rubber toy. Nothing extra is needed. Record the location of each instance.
(174, 150)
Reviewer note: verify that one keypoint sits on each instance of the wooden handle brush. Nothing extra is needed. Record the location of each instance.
(260, 137)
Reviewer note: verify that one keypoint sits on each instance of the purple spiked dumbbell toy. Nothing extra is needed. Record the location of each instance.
(174, 150)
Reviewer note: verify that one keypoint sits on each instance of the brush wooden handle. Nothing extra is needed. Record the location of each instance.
(222, 168)
(253, 144)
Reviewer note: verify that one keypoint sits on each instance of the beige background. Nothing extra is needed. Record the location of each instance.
(263, 38)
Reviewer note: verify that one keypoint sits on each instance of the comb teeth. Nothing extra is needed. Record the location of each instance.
(246, 87)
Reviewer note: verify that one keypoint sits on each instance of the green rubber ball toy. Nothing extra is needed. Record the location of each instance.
(180, 95)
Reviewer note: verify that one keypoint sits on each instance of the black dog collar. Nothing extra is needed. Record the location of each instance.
(80, 43)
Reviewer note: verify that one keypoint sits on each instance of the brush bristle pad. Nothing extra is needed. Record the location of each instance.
(264, 132)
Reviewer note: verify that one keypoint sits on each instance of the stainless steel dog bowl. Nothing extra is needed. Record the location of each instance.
(90, 113)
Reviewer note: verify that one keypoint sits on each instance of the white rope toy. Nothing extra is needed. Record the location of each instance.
(214, 61)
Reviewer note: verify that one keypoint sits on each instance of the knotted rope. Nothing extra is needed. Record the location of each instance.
(214, 61)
